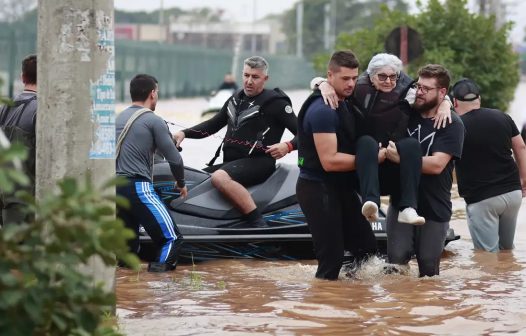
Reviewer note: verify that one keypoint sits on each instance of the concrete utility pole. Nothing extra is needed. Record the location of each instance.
(299, 29)
(497, 8)
(327, 26)
(482, 7)
(162, 29)
(253, 44)
(76, 99)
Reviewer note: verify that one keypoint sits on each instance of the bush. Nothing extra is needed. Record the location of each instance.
(42, 290)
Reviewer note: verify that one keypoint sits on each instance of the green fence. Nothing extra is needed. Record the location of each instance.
(187, 71)
(181, 70)
(14, 46)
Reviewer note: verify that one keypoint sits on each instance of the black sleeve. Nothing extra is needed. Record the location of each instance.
(513, 127)
(450, 140)
(284, 115)
(294, 142)
(165, 144)
(210, 126)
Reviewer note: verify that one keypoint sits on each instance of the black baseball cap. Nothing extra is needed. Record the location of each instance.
(466, 90)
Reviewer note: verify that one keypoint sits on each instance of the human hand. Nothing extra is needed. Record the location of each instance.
(382, 152)
(392, 153)
(411, 96)
(277, 151)
(443, 116)
(178, 137)
(183, 192)
(329, 94)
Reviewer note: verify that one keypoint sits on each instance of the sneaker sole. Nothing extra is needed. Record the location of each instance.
(416, 223)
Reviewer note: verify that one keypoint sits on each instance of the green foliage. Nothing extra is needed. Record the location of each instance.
(465, 43)
(11, 175)
(42, 289)
(349, 16)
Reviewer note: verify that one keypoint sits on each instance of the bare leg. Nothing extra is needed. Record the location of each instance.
(234, 191)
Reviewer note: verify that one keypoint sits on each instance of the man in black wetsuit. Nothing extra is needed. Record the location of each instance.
(256, 119)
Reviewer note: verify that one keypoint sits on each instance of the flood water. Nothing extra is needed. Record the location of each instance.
(477, 293)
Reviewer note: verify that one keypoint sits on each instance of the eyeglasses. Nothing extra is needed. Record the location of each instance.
(424, 89)
(383, 77)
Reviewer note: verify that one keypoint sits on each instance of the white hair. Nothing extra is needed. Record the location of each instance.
(382, 60)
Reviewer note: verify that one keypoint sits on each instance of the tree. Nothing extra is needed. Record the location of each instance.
(348, 16)
(467, 44)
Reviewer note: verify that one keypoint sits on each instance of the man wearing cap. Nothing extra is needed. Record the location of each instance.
(490, 181)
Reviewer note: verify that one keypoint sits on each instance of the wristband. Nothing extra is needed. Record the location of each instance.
(289, 145)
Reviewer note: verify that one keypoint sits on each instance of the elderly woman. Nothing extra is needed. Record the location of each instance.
(383, 96)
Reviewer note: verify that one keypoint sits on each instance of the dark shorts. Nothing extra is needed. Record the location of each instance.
(248, 171)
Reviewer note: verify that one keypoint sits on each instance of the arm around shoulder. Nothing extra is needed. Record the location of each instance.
(316, 81)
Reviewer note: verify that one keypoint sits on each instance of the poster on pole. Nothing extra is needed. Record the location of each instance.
(103, 93)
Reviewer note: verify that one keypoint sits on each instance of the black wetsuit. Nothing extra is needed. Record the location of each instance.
(259, 120)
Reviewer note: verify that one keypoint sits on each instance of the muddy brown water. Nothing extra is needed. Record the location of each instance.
(477, 293)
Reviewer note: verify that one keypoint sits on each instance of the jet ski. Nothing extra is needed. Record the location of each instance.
(212, 228)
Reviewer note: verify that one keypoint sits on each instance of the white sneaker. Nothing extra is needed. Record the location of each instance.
(409, 216)
(370, 211)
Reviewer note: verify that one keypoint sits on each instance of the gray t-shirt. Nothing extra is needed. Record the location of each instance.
(147, 134)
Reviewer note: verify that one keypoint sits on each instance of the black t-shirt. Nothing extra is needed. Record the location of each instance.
(320, 118)
(487, 168)
(434, 198)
